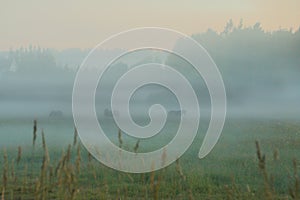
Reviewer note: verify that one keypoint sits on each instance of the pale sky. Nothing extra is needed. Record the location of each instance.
(83, 24)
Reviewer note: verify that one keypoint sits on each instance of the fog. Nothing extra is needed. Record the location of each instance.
(261, 72)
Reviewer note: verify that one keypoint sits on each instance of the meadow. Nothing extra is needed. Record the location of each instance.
(254, 159)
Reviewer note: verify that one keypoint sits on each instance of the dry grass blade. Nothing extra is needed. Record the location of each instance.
(2, 195)
(152, 176)
(5, 169)
(179, 170)
(90, 158)
(59, 164)
(68, 155)
(297, 182)
(184, 181)
(13, 170)
(46, 153)
(23, 189)
(261, 158)
(276, 155)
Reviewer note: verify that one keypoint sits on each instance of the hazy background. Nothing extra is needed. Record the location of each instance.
(42, 44)
(261, 71)
(83, 24)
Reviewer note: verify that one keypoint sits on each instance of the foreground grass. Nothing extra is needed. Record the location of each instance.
(238, 168)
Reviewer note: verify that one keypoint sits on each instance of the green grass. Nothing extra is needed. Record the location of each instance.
(230, 171)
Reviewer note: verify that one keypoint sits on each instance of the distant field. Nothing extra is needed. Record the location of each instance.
(231, 171)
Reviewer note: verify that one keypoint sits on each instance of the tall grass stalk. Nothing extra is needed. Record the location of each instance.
(295, 189)
(262, 166)
(120, 138)
(44, 177)
(34, 132)
(19, 155)
(136, 147)
(75, 137)
(78, 159)
(5, 173)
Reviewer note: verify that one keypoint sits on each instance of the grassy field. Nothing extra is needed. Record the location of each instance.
(254, 159)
